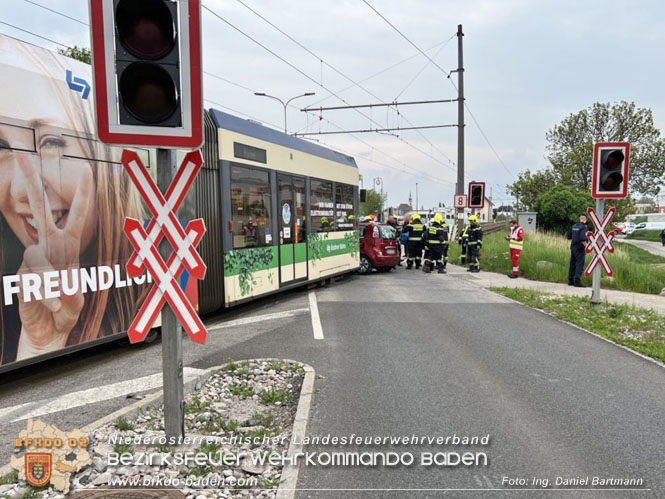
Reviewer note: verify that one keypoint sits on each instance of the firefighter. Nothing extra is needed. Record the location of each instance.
(414, 245)
(475, 235)
(464, 241)
(516, 239)
(447, 236)
(436, 237)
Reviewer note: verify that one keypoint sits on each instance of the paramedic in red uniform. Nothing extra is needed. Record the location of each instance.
(516, 239)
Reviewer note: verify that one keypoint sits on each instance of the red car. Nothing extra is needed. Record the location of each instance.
(379, 247)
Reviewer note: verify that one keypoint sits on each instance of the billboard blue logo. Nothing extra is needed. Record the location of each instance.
(78, 84)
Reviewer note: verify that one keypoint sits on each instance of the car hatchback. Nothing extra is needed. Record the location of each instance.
(379, 247)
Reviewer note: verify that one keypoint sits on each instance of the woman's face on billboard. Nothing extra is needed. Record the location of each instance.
(47, 174)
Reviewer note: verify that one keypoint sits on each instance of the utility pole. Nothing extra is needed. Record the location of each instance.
(417, 196)
(460, 125)
(172, 367)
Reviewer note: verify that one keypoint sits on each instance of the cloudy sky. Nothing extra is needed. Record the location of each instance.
(528, 64)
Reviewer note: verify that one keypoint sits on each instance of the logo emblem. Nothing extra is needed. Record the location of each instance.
(38, 468)
(286, 213)
(77, 84)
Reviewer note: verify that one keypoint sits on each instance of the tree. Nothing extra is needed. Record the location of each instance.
(570, 145)
(373, 204)
(79, 53)
(560, 207)
(529, 186)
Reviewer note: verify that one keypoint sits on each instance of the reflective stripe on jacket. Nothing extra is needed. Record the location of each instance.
(517, 238)
(415, 231)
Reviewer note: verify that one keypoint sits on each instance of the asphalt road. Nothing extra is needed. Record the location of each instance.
(650, 246)
(409, 354)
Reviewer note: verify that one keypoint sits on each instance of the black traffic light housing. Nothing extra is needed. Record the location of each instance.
(476, 198)
(610, 170)
(148, 62)
(363, 195)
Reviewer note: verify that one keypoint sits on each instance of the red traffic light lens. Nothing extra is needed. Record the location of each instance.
(476, 196)
(148, 92)
(146, 28)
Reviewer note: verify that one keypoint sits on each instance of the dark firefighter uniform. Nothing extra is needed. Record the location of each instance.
(464, 240)
(414, 245)
(435, 239)
(475, 235)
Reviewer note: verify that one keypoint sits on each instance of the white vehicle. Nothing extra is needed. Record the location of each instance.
(649, 226)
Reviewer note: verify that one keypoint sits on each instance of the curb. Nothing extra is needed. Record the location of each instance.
(289, 479)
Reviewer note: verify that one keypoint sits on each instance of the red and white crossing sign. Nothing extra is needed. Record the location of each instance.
(184, 242)
(600, 241)
(460, 200)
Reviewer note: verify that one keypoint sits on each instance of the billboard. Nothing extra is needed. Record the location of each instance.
(62, 193)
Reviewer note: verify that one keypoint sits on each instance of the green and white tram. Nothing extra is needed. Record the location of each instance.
(286, 206)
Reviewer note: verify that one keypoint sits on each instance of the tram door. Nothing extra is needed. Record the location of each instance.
(292, 229)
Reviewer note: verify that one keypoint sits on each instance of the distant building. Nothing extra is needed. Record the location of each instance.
(403, 208)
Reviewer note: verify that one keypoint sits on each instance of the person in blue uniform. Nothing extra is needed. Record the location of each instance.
(578, 242)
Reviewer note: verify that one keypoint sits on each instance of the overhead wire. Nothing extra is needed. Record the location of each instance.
(447, 73)
(415, 172)
(34, 34)
(57, 12)
(342, 74)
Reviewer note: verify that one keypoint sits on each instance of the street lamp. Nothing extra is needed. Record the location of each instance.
(285, 104)
(379, 181)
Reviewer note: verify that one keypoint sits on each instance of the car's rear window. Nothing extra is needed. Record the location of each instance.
(387, 232)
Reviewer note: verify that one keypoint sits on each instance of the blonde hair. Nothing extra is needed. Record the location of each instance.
(107, 311)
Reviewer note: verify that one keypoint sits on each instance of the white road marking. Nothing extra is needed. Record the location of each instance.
(258, 318)
(85, 397)
(316, 319)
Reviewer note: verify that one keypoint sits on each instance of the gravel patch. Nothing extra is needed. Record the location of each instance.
(243, 410)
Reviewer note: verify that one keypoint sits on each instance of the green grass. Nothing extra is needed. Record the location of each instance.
(242, 390)
(269, 397)
(546, 257)
(123, 448)
(645, 235)
(11, 477)
(266, 419)
(34, 492)
(640, 329)
(201, 470)
(217, 424)
(638, 255)
(123, 425)
(277, 365)
(196, 406)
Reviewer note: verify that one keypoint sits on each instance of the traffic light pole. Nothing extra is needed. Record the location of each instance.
(595, 294)
(172, 374)
(460, 126)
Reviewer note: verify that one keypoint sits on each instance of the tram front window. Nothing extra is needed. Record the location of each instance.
(250, 207)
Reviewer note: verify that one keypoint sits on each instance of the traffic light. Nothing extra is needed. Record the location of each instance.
(147, 68)
(476, 195)
(363, 195)
(610, 170)
(147, 60)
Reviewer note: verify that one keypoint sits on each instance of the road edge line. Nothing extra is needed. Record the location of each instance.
(623, 347)
(289, 478)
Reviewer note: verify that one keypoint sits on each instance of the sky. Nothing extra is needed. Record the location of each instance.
(527, 66)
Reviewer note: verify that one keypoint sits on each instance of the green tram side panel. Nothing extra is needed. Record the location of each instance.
(252, 272)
